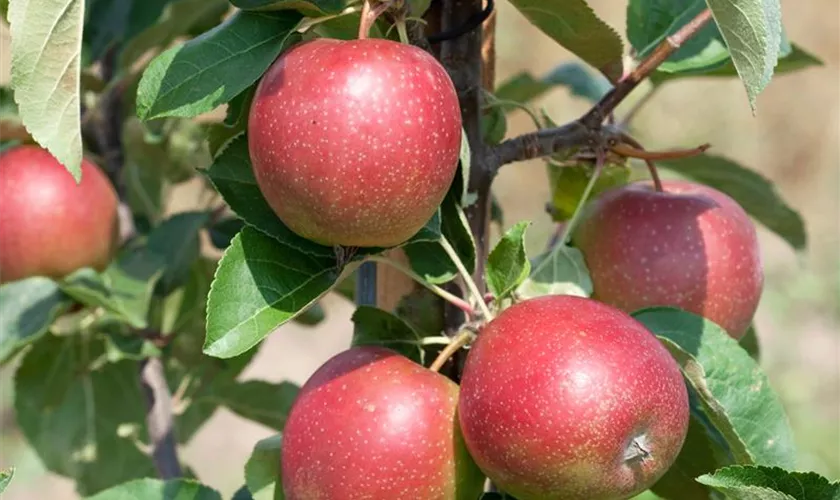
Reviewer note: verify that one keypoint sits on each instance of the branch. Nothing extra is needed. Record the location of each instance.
(159, 419)
(588, 131)
(663, 51)
(545, 142)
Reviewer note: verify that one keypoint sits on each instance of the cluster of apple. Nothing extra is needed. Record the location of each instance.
(356, 144)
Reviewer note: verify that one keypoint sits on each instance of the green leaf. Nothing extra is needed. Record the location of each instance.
(423, 311)
(374, 326)
(734, 392)
(508, 265)
(184, 308)
(178, 18)
(83, 422)
(262, 471)
(493, 124)
(233, 176)
(235, 122)
(756, 194)
(243, 493)
(770, 483)
(46, 68)
(311, 316)
(223, 231)
(170, 149)
(11, 128)
(497, 215)
(797, 59)
(155, 489)
(260, 284)
(145, 188)
(122, 344)
(27, 309)
(125, 288)
(752, 30)
(575, 26)
(6, 476)
(210, 70)
(108, 23)
(581, 82)
(260, 401)
(176, 242)
(312, 8)
(560, 271)
(430, 260)
(749, 342)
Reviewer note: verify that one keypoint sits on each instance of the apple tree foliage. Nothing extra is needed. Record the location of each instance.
(148, 72)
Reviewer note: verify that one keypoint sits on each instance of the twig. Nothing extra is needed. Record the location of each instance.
(588, 130)
(440, 292)
(633, 151)
(159, 419)
(468, 279)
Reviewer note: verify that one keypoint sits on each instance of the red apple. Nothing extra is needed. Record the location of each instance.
(49, 225)
(567, 398)
(355, 143)
(689, 246)
(373, 424)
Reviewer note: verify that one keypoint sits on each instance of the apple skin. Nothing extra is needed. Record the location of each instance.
(372, 424)
(49, 225)
(555, 392)
(355, 143)
(689, 246)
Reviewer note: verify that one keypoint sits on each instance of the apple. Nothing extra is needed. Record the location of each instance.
(568, 398)
(689, 246)
(371, 423)
(355, 143)
(49, 225)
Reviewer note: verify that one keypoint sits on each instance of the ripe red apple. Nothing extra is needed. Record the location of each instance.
(355, 143)
(373, 424)
(49, 225)
(689, 246)
(567, 398)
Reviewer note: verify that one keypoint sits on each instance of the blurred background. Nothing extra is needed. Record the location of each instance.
(794, 140)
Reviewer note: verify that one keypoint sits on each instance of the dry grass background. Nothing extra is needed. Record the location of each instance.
(793, 141)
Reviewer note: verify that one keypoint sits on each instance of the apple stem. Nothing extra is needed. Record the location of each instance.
(462, 270)
(458, 342)
(654, 175)
(637, 148)
(440, 292)
(369, 16)
(600, 159)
